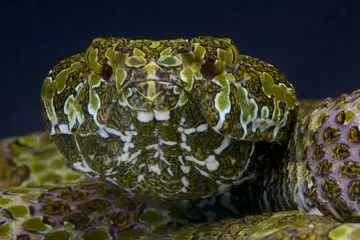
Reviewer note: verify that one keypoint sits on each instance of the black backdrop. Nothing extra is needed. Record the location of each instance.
(315, 43)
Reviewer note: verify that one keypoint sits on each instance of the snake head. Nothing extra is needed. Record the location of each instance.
(142, 113)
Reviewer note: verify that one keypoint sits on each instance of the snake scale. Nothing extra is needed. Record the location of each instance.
(181, 139)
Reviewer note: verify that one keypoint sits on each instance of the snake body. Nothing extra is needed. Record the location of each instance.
(164, 128)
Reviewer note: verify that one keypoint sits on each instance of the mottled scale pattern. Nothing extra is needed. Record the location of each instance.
(87, 211)
(95, 210)
(290, 225)
(321, 170)
(330, 148)
(34, 159)
(174, 119)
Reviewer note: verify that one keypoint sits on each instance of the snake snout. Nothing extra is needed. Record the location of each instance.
(152, 95)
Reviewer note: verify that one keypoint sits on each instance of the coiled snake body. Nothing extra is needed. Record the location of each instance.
(184, 139)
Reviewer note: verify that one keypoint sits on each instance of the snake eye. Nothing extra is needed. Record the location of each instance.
(210, 69)
(107, 72)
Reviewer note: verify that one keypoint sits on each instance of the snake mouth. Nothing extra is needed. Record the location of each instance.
(170, 83)
(138, 83)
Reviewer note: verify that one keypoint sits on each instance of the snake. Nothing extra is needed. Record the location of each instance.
(181, 139)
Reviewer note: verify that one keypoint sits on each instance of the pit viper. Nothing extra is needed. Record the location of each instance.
(181, 139)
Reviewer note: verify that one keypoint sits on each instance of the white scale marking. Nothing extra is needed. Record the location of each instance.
(126, 146)
(109, 171)
(126, 138)
(162, 157)
(183, 137)
(135, 155)
(189, 131)
(185, 169)
(52, 131)
(79, 86)
(64, 128)
(157, 153)
(211, 163)
(181, 160)
(170, 172)
(123, 157)
(155, 168)
(54, 120)
(111, 180)
(82, 166)
(154, 146)
(202, 128)
(193, 159)
(171, 143)
(145, 116)
(127, 133)
(140, 177)
(103, 133)
(161, 116)
(186, 147)
(222, 114)
(185, 181)
(71, 113)
(182, 120)
(202, 172)
(163, 181)
(113, 131)
(224, 144)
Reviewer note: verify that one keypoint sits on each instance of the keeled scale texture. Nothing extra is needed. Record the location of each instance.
(177, 119)
(63, 207)
(331, 138)
(321, 171)
(34, 159)
(80, 211)
(279, 226)
(51, 202)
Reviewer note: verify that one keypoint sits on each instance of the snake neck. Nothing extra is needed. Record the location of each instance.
(320, 171)
(285, 187)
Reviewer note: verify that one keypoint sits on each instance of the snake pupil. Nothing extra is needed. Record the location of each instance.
(107, 73)
(207, 71)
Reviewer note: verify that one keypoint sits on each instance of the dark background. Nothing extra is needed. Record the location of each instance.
(315, 43)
